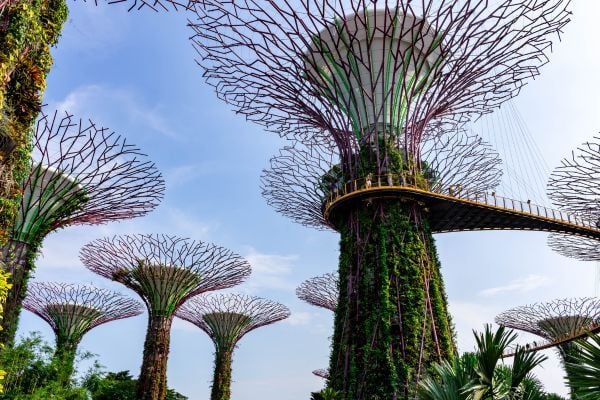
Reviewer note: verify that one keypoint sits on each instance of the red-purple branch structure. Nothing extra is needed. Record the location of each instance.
(81, 174)
(165, 271)
(375, 81)
(73, 310)
(320, 291)
(226, 318)
(558, 322)
(574, 187)
(155, 5)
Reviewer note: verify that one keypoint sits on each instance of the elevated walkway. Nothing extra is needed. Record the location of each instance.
(458, 210)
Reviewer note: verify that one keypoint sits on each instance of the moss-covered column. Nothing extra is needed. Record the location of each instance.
(221, 388)
(64, 359)
(27, 30)
(18, 261)
(152, 382)
(392, 320)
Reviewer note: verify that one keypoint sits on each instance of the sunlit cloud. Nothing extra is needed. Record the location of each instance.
(521, 285)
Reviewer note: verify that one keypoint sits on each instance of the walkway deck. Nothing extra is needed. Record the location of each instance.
(458, 211)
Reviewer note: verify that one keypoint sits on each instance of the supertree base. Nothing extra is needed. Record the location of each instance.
(392, 320)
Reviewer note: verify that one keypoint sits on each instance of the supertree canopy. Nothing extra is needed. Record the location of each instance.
(72, 311)
(226, 318)
(81, 173)
(164, 271)
(574, 187)
(301, 178)
(375, 81)
(321, 291)
(560, 322)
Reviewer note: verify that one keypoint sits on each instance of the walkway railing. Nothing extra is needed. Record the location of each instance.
(340, 191)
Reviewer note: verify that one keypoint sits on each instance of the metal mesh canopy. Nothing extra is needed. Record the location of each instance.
(366, 69)
(577, 247)
(574, 186)
(226, 318)
(321, 373)
(554, 320)
(300, 177)
(321, 291)
(164, 270)
(83, 174)
(72, 310)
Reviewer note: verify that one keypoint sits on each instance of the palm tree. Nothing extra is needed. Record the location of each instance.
(583, 369)
(478, 376)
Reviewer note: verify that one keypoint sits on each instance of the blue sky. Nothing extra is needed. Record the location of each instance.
(136, 74)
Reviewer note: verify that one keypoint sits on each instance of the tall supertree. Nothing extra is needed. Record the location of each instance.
(320, 291)
(560, 322)
(81, 173)
(72, 311)
(374, 81)
(226, 318)
(574, 187)
(164, 271)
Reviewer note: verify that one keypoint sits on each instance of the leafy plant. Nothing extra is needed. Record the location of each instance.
(583, 369)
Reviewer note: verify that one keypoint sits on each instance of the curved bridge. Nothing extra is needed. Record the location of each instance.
(458, 210)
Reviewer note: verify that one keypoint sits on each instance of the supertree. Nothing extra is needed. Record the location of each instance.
(375, 81)
(574, 187)
(164, 271)
(321, 373)
(320, 291)
(559, 322)
(227, 318)
(28, 28)
(72, 311)
(81, 173)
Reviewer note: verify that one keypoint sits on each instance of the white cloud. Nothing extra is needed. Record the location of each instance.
(94, 100)
(521, 285)
(269, 271)
(299, 318)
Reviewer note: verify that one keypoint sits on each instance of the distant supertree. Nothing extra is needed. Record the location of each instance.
(321, 373)
(375, 81)
(73, 310)
(80, 173)
(321, 291)
(226, 318)
(164, 271)
(574, 187)
(558, 321)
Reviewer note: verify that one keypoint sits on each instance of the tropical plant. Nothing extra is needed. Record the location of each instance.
(326, 394)
(583, 369)
(478, 376)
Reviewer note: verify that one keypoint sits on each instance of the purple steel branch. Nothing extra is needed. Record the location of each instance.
(261, 56)
(321, 291)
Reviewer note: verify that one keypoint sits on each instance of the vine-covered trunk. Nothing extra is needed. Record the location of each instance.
(64, 360)
(392, 320)
(27, 30)
(152, 382)
(17, 259)
(221, 387)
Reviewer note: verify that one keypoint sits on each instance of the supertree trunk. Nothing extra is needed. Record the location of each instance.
(221, 388)
(392, 320)
(64, 360)
(152, 383)
(16, 256)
